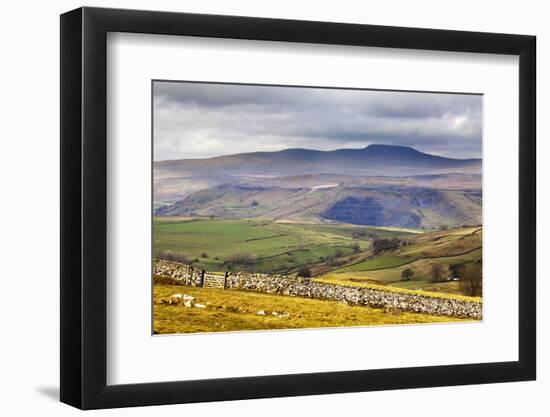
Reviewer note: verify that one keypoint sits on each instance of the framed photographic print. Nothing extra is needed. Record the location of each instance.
(258, 207)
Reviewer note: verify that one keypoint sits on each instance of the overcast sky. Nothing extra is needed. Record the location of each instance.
(194, 120)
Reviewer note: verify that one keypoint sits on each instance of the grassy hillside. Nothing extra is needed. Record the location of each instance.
(277, 247)
(377, 262)
(455, 246)
(333, 252)
(233, 310)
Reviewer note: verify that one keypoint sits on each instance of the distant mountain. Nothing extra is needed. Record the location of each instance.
(384, 160)
(378, 185)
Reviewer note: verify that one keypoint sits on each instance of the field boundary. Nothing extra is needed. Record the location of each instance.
(177, 273)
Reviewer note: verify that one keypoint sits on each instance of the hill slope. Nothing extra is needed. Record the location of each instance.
(459, 246)
(369, 186)
(375, 206)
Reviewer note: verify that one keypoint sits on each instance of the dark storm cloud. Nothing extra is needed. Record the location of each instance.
(194, 120)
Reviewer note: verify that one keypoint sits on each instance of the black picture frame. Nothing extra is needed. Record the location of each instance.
(84, 207)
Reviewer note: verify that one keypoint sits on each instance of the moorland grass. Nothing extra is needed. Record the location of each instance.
(237, 310)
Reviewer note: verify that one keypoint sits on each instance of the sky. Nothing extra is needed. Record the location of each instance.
(201, 120)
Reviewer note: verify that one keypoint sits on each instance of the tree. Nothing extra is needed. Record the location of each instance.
(242, 258)
(359, 234)
(355, 247)
(379, 245)
(437, 273)
(457, 270)
(204, 255)
(305, 272)
(254, 203)
(172, 257)
(407, 274)
(472, 281)
(332, 260)
(443, 227)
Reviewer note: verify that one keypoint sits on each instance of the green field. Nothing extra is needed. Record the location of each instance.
(378, 262)
(277, 247)
(337, 253)
(234, 310)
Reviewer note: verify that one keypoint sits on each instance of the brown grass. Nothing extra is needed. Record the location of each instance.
(234, 310)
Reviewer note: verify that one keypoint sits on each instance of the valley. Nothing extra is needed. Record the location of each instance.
(336, 253)
(283, 206)
(327, 216)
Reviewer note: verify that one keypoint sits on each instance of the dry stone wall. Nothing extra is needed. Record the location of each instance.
(303, 287)
(177, 273)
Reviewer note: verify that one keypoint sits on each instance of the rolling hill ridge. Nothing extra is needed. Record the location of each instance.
(371, 160)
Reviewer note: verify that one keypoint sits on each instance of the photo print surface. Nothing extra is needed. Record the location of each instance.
(283, 207)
